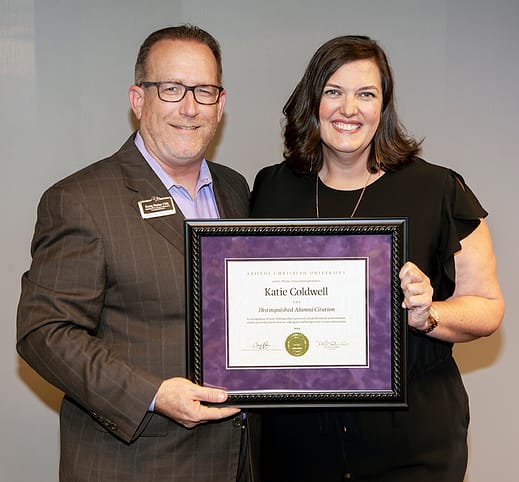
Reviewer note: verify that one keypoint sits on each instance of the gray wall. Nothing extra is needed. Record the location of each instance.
(65, 67)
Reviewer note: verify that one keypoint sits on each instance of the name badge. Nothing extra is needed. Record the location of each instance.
(156, 207)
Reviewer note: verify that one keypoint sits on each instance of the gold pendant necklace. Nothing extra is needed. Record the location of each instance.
(356, 205)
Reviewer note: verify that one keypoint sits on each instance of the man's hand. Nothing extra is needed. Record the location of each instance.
(182, 401)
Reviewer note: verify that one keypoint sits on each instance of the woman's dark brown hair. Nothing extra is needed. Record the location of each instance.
(391, 147)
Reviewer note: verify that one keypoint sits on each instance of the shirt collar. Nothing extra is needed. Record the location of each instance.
(204, 177)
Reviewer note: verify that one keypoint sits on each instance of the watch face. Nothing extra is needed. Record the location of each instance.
(433, 318)
(433, 314)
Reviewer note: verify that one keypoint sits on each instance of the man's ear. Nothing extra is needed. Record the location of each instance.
(136, 97)
(221, 104)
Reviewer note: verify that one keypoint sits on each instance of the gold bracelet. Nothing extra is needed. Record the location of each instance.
(433, 318)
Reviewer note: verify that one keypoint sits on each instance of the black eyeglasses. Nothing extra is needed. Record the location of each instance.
(175, 92)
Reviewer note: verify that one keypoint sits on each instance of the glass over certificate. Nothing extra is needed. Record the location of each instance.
(297, 312)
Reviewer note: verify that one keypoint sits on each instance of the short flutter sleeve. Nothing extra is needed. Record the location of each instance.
(461, 215)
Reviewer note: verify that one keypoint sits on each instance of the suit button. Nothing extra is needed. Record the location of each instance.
(236, 421)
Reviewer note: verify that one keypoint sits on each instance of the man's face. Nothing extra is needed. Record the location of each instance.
(177, 134)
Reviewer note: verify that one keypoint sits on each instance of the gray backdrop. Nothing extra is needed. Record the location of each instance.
(65, 67)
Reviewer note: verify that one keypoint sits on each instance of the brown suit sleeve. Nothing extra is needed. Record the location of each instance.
(59, 314)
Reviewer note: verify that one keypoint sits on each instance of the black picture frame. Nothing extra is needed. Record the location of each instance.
(213, 246)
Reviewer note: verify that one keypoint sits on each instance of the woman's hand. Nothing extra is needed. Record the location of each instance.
(418, 294)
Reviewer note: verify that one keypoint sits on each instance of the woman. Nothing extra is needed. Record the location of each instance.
(347, 155)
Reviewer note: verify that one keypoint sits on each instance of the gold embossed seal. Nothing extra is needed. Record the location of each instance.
(296, 344)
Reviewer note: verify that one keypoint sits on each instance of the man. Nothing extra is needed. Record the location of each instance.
(102, 310)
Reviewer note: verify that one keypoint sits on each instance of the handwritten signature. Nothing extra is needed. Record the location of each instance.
(331, 344)
(261, 345)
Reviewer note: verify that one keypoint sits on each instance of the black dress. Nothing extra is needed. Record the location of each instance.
(421, 443)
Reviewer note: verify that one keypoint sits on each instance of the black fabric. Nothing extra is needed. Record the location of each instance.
(426, 441)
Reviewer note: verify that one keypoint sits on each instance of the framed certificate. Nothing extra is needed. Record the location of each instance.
(297, 312)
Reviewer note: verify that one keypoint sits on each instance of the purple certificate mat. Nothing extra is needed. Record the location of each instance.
(210, 244)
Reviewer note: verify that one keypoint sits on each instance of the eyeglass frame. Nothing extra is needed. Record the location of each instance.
(187, 88)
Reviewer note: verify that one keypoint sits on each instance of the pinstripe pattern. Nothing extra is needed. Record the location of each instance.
(102, 317)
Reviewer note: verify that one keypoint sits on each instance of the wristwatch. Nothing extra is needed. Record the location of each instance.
(433, 318)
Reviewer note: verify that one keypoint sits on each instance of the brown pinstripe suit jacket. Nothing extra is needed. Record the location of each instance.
(102, 317)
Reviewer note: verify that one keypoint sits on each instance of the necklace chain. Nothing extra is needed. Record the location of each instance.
(356, 205)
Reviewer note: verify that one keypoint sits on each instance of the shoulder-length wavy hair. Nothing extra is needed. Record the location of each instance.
(391, 147)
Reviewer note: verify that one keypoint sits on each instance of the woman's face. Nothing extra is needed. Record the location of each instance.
(350, 108)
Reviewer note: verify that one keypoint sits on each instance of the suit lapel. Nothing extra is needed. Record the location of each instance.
(140, 178)
(225, 193)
